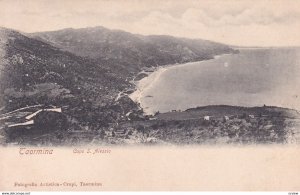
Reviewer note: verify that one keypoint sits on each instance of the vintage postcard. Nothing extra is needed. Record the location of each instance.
(110, 95)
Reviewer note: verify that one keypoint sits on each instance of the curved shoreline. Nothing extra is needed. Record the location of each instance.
(146, 87)
(147, 82)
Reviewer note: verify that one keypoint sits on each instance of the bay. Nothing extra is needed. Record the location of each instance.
(253, 77)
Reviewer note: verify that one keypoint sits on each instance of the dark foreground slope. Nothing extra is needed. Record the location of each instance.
(128, 53)
(234, 124)
(259, 125)
(218, 125)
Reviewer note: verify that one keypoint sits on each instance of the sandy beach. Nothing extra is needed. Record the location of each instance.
(146, 83)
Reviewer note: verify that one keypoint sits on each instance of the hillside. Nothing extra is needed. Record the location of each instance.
(128, 53)
(34, 72)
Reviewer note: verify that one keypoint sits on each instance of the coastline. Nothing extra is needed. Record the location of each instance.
(146, 82)
(145, 85)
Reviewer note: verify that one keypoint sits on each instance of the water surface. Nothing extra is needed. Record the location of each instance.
(253, 77)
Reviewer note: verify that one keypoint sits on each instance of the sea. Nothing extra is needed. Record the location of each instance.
(253, 77)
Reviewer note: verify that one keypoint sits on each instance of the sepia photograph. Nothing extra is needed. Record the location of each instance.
(111, 77)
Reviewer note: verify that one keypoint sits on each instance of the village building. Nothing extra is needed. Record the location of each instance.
(206, 118)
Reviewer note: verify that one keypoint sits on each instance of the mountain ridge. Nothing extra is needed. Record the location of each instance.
(128, 53)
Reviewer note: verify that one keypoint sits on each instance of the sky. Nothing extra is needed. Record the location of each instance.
(235, 22)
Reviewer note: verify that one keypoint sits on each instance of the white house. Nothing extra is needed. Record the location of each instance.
(206, 118)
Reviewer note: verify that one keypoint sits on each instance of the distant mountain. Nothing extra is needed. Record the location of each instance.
(127, 53)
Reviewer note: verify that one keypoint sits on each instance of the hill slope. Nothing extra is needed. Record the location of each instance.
(34, 72)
